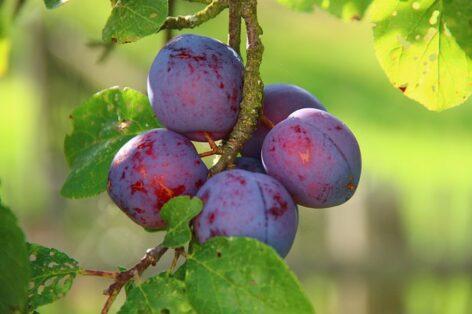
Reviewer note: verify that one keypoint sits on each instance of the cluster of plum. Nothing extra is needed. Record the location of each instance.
(299, 154)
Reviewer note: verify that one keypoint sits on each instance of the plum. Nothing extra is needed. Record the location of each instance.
(249, 164)
(195, 86)
(246, 204)
(280, 100)
(150, 169)
(315, 156)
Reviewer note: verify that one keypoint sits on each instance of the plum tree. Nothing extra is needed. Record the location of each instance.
(249, 164)
(243, 203)
(280, 100)
(315, 156)
(195, 86)
(150, 169)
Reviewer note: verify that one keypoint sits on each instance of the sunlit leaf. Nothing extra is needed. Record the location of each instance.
(425, 47)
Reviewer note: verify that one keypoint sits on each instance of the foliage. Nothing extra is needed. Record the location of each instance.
(345, 9)
(132, 19)
(53, 273)
(177, 213)
(244, 276)
(425, 47)
(161, 294)
(102, 125)
(14, 264)
(52, 4)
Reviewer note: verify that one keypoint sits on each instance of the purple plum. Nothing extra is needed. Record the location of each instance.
(280, 100)
(149, 170)
(246, 204)
(315, 156)
(195, 86)
(249, 164)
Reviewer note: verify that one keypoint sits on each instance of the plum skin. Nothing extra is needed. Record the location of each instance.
(246, 204)
(150, 169)
(195, 86)
(315, 156)
(249, 164)
(280, 100)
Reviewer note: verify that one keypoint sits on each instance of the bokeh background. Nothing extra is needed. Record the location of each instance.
(403, 244)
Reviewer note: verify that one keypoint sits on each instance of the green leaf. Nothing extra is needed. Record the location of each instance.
(180, 272)
(242, 275)
(52, 4)
(102, 125)
(53, 273)
(14, 264)
(5, 41)
(425, 48)
(161, 294)
(345, 9)
(131, 20)
(177, 213)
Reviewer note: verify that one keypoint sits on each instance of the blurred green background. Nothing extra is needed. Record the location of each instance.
(403, 244)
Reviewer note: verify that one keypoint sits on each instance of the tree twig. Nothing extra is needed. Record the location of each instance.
(169, 31)
(151, 258)
(194, 20)
(99, 273)
(200, 1)
(234, 33)
(251, 105)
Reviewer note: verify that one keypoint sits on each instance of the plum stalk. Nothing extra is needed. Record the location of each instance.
(251, 105)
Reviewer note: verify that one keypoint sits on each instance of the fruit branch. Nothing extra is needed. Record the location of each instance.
(151, 258)
(200, 1)
(99, 273)
(251, 105)
(234, 36)
(194, 20)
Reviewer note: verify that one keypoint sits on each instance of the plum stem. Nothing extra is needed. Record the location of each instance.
(214, 148)
(267, 122)
(151, 257)
(234, 33)
(178, 252)
(251, 104)
(214, 8)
